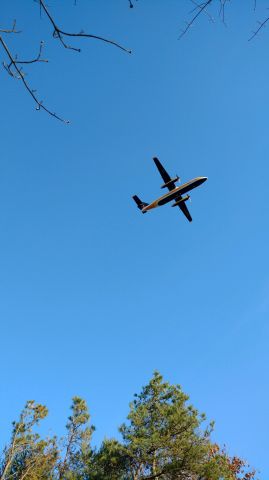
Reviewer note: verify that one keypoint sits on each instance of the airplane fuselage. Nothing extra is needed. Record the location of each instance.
(186, 187)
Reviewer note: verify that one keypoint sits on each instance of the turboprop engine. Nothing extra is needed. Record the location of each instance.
(173, 180)
(183, 199)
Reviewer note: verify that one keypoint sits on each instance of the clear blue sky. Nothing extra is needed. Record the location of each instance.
(94, 295)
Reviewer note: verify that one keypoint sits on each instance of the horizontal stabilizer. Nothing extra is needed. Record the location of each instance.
(139, 202)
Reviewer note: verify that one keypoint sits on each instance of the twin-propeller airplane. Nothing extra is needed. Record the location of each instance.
(175, 193)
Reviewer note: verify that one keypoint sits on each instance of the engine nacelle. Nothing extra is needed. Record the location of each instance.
(183, 199)
(173, 180)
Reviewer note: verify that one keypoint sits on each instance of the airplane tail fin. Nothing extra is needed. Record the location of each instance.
(139, 203)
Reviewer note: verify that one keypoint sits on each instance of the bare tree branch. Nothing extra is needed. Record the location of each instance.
(222, 10)
(35, 60)
(11, 30)
(261, 25)
(201, 7)
(131, 5)
(14, 65)
(205, 11)
(16, 72)
(58, 33)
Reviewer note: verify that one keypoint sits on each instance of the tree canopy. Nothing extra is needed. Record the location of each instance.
(164, 438)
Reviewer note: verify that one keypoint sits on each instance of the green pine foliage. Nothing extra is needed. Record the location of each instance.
(163, 438)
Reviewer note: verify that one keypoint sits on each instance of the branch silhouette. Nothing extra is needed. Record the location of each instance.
(14, 66)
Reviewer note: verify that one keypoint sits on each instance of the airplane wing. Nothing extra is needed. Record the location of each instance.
(171, 185)
(165, 176)
(183, 207)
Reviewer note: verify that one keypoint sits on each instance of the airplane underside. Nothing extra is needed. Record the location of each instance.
(175, 193)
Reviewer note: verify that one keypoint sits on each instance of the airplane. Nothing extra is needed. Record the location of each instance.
(175, 193)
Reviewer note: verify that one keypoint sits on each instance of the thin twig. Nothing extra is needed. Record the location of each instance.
(222, 10)
(19, 75)
(37, 59)
(205, 11)
(59, 33)
(261, 25)
(11, 30)
(131, 5)
(201, 8)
